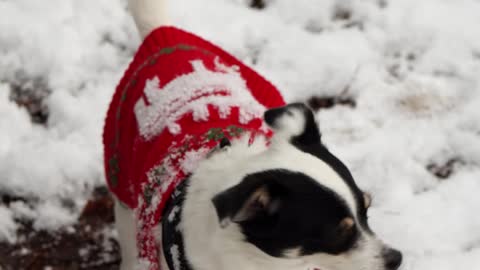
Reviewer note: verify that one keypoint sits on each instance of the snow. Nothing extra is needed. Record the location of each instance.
(191, 158)
(411, 66)
(7, 225)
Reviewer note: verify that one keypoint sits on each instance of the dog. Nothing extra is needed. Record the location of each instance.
(211, 170)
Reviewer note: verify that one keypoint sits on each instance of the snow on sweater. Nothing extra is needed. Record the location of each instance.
(178, 98)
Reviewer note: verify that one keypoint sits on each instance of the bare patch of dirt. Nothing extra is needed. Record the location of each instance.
(444, 171)
(88, 244)
(382, 3)
(7, 198)
(30, 93)
(327, 102)
(258, 4)
(344, 14)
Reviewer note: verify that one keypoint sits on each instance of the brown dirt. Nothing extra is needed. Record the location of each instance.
(445, 170)
(88, 244)
(327, 102)
(257, 4)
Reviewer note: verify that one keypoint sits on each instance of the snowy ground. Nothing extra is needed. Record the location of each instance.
(411, 67)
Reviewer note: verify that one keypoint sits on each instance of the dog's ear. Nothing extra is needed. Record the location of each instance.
(294, 122)
(252, 198)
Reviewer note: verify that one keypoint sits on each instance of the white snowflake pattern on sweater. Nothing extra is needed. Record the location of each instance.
(192, 93)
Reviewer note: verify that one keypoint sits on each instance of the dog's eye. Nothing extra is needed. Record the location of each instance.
(367, 200)
(346, 225)
(348, 232)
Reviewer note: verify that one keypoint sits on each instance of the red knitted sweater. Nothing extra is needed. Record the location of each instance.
(177, 99)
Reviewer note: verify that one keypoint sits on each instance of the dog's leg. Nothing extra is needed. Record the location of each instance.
(125, 223)
(148, 14)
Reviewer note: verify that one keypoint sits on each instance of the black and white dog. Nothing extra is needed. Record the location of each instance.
(291, 205)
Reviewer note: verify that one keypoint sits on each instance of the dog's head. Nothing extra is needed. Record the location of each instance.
(297, 200)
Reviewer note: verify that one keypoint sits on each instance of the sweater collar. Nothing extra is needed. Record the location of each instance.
(172, 238)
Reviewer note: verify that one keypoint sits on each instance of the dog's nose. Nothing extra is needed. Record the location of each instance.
(392, 257)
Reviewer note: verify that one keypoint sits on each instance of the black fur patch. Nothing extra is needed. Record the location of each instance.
(320, 151)
(306, 215)
(309, 141)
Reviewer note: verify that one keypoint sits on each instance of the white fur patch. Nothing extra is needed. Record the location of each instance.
(175, 257)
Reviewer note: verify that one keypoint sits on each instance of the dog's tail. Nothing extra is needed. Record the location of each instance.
(148, 14)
